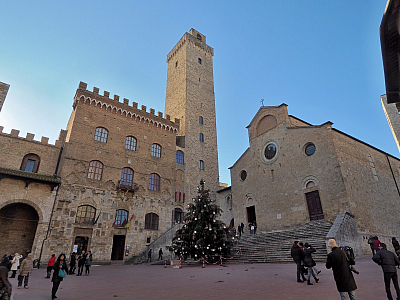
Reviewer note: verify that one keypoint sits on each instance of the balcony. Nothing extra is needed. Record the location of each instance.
(125, 186)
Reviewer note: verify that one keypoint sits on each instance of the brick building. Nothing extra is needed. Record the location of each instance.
(119, 175)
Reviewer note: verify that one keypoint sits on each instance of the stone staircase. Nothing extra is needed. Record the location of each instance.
(274, 247)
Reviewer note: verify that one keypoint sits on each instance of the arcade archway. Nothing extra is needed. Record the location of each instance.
(18, 223)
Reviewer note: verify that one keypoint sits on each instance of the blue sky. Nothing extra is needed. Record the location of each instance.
(322, 58)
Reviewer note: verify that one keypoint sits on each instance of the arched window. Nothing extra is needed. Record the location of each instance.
(154, 182)
(85, 214)
(156, 150)
(30, 163)
(201, 138)
(179, 157)
(95, 170)
(121, 218)
(201, 120)
(101, 135)
(151, 221)
(201, 165)
(178, 215)
(126, 177)
(130, 143)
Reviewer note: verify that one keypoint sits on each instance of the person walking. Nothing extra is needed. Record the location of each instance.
(297, 254)
(395, 244)
(160, 254)
(388, 261)
(377, 244)
(340, 263)
(81, 262)
(15, 264)
(239, 231)
(50, 265)
(149, 255)
(371, 244)
(88, 263)
(5, 285)
(24, 271)
(72, 263)
(242, 225)
(5, 262)
(60, 271)
(309, 262)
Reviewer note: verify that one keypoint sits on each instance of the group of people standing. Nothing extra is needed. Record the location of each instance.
(12, 263)
(302, 256)
(240, 229)
(59, 267)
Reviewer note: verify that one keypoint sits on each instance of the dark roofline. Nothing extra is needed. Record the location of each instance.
(291, 116)
(390, 43)
(366, 144)
(224, 189)
(29, 177)
(248, 148)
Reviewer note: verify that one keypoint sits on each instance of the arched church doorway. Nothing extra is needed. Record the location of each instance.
(18, 223)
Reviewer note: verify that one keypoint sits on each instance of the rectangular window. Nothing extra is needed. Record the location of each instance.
(29, 165)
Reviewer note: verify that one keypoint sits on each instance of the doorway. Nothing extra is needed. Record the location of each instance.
(314, 206)
(80, 243)
(18, 223)
(118, 247)
(251, 214)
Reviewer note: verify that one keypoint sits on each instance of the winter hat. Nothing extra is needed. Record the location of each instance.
(332, 243)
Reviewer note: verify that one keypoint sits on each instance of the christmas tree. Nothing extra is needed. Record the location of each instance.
(202, 234)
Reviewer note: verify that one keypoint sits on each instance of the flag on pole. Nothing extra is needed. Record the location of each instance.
(95, 221)
(129, 223)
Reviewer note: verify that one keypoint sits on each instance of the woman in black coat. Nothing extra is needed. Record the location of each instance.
(309, 262)
(60, 264)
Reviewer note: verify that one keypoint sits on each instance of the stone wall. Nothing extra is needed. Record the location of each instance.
(370, 177)
(344, 231)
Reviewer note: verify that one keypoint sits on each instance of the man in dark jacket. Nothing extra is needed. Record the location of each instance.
(297, 255)
(340, 263)
(388, 261)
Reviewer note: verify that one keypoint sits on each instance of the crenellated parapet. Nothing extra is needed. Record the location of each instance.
(193, 37)
(114, 105)
(30, 137)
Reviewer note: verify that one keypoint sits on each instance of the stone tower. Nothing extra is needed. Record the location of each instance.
(190, 98)
(3, 93)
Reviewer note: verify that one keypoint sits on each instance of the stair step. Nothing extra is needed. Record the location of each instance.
(276, 246)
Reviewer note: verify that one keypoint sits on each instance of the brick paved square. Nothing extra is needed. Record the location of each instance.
(247, 281)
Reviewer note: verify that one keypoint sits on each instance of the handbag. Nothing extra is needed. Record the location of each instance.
(61, 273)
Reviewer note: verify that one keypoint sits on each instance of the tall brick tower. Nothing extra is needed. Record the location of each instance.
(3, 93)
(190, 98)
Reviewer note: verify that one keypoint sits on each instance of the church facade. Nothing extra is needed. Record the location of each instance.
(294, 172)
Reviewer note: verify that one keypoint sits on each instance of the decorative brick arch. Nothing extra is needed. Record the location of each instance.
(307, 180)
(27, 202)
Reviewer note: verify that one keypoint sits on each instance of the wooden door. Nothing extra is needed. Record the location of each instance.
(118, 247)
(314, 206)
